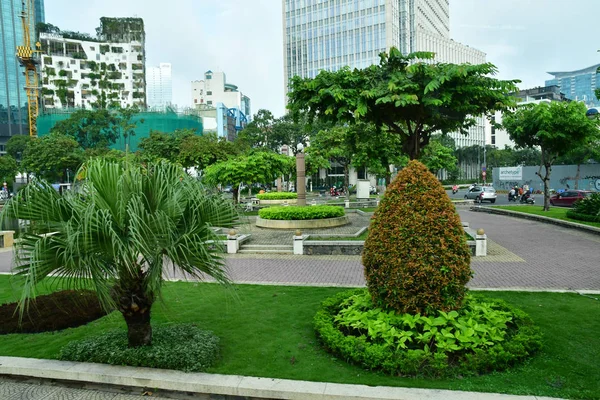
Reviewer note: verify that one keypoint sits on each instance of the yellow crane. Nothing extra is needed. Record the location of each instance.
(29, 58)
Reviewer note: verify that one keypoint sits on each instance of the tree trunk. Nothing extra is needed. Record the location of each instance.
(234, 192)
(347, 181)
(578, 176)
(135, 305)
(545, 179)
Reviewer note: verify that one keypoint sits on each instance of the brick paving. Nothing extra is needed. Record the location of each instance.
(12, 390)
(523, 254)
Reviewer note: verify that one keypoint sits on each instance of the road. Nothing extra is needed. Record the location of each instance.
(502, 199)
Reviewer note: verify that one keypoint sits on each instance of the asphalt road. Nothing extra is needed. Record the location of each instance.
(502, 199)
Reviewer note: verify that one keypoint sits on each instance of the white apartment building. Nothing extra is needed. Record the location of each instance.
(330, 34)
(159, 86)
(84, 72)
(214, 89)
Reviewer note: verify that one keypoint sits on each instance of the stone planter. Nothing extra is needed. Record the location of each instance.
(277, 202)
(302, 224)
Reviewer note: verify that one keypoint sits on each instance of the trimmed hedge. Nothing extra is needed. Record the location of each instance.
(301, 213)
(587, 209)
(416, 256)
(182, 347)
(277, 196)
(519, 341)
(582, 217)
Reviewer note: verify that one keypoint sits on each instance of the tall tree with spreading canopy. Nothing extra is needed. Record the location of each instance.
(258, 167)
(90, 128)
(50, 157)
(119, 233)
(555, 128)
(409, 97)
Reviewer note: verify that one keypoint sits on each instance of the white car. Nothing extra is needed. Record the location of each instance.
(482, 193)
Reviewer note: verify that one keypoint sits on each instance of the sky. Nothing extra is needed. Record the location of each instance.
(243, 38)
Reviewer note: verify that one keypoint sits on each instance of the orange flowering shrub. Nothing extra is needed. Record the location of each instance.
(416, 256)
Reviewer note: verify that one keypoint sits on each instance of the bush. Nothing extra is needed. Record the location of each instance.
(484, 335)
(582, 217)
(301, 213)
(277, 196)
(589, 206)
(182, 347)
(416, 256)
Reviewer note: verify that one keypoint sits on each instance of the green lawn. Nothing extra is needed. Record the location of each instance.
(554, 212)
(266, 331)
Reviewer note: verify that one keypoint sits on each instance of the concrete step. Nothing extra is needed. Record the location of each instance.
(267, 246)
(265, 251)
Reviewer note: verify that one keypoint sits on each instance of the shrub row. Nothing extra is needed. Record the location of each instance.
(182, 347)
(587, 207)
(301, 213)
(277, 196)
(417, 349)
(583, 217)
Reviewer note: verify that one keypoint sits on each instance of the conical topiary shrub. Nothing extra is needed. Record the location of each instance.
(416, 257)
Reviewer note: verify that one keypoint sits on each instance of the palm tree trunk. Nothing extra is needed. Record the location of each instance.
(135, 305)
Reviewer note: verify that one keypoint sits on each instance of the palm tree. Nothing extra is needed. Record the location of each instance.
(118, 231)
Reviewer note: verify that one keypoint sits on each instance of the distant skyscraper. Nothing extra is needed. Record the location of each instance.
(578, 85)
(330, 34)
(159, 86)
(13, 100)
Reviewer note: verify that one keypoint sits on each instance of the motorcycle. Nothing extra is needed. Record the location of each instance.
(454, 191)
(512, 197)
(527, 198)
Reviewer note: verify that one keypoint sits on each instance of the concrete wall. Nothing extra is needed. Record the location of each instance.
(560, 177)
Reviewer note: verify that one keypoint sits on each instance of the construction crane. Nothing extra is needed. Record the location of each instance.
(30, 58)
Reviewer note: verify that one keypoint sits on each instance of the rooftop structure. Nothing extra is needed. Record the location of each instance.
(579, 85)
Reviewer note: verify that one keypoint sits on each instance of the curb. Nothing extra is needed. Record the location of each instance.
(538, 218)
(229, 387)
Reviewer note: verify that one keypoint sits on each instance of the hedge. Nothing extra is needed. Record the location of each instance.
(301, 213)
(582, 217)
(277, 196)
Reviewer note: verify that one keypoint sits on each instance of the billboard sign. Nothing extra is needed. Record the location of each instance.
(511, 173)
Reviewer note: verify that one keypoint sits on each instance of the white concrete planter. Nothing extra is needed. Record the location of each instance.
(302, 224)
(277, 202)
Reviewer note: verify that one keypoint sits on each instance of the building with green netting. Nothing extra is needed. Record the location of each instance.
(167, 121)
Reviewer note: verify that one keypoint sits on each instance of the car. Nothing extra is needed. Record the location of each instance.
(482, 193)
(568, 197)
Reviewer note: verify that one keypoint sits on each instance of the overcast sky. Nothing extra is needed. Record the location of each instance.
(243, 38)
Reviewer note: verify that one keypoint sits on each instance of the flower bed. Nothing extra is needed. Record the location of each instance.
(484, 335)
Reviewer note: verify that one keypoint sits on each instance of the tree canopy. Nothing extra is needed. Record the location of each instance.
(555, 128)
(408, 95)
(50, 156)
(90, 128)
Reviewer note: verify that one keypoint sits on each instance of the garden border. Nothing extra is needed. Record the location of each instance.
(302, 223)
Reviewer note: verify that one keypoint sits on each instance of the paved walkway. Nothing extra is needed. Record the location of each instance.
(522, 254)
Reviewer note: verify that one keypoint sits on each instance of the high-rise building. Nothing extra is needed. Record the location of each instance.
(578, 85)
(159, 86)
(224, 109)
(81, 71)
(330, 34)
(13, 100)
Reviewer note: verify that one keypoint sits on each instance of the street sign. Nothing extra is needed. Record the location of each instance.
(483, 169)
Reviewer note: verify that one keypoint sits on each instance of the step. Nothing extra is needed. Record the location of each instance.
(267, 246)
(265, 251)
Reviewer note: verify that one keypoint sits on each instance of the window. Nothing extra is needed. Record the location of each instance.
(73, 61)
(208, 93)
(208, 76)
(209, 102)
(195, 101)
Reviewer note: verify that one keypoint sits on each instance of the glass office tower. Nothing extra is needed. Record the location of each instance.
(578, 85)
(13, 100)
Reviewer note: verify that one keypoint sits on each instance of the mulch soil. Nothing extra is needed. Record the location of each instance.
(53, 312)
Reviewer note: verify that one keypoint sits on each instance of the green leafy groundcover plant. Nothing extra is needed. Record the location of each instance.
(277, 196)
(301, 213)
(482, 336)
(182, 347)
(587, 209)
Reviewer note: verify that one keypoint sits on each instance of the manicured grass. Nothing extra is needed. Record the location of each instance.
(266, 331)
(554, 212)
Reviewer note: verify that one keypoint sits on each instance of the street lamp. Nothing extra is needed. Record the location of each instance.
(300, 175)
